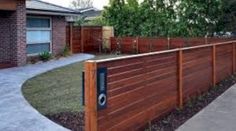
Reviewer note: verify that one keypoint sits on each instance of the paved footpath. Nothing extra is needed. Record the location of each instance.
(16, 114)
(220, 115)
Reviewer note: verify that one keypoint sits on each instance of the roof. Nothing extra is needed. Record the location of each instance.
(41, 7)
(90, 12)
(82, 10)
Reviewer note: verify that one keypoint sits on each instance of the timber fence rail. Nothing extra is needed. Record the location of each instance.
(140, 88)
(135, 45)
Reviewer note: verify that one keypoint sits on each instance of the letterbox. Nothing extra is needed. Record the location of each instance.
(83, 88)
(102, 88)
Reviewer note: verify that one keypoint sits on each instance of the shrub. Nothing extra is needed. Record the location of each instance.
(66, 51)
(45, 56)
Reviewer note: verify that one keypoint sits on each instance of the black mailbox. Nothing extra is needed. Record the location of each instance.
(83, 88)
(101, 88)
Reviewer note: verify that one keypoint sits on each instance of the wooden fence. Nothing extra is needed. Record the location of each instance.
(84, 39)
(143, 87)
(134, 45)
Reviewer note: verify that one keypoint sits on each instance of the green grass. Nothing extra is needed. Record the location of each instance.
(58, 90)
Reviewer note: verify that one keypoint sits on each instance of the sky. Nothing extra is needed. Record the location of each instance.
(66, 3)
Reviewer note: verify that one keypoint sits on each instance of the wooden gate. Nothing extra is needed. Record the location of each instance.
(84, 39)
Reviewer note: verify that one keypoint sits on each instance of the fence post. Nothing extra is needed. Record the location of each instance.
(214, 65)
(150, 47)
(168, 42)
(180, 78)
(206, 41)
(233, 70)
(82, 39)
(91, 122)
(137, 46)
(71, 37)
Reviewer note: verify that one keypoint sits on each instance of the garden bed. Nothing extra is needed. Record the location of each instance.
(170, 122)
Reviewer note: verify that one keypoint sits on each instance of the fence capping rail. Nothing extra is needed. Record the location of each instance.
(162, 52)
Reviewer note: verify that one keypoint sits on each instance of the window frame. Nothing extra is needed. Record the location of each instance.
(40, 29)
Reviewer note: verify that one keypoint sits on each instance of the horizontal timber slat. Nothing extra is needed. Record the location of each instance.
(143, 87)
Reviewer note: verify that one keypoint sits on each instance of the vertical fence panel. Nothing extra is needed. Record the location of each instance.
(223, 61)
(197, 71)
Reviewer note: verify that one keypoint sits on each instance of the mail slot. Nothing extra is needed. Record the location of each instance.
(83, 88)
(101, 88)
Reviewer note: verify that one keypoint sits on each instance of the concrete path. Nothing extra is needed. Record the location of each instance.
(16, 114)
(220, 115)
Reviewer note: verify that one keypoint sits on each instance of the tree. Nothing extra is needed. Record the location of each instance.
(228, 17)
(116, 15)
(198, 17)
(98, 21)
(76, 4)
(163, 17)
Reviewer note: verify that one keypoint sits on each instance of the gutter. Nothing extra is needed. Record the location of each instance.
(49, 12)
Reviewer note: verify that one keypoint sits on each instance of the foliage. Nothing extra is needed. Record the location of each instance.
(124, 17)
(80, 21)
(98, 21)
(66, 51)
(45, 56)
(163, 18)
(76, 4)
(228, 16)
(199, 17)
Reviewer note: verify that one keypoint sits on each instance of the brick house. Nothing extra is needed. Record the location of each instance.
(30, 27)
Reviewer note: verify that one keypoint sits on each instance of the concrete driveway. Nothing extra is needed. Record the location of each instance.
(16, 114)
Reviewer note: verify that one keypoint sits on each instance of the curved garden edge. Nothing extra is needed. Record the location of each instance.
(16, 113)
(57, 94)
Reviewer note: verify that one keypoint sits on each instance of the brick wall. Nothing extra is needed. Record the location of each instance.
(13, 35)
(58, 34)
(21, 33)
(5, 44)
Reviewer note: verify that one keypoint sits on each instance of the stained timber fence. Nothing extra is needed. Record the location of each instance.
(84, 39)
(134, 45)
(140, 88)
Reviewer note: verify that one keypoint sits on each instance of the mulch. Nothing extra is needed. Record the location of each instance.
(70, 120)
(170, 122)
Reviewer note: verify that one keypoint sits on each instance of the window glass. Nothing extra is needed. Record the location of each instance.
(38, 48)
(38, 36)
(38, 22)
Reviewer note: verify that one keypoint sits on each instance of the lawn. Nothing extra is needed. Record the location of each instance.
(59, 90)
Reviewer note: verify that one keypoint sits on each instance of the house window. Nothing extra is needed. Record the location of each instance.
(38, 35)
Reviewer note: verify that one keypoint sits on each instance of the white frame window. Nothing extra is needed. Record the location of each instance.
(40, 30)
